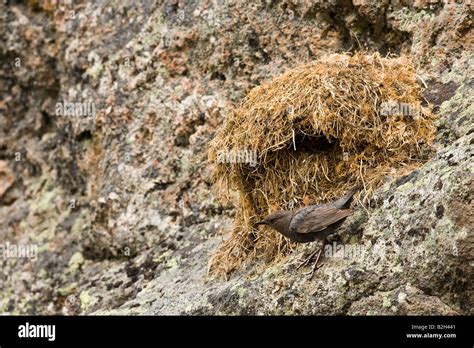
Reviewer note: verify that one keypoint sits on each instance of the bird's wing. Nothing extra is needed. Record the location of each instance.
(316, 218)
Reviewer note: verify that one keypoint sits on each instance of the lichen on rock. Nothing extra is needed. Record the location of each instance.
(117, 206)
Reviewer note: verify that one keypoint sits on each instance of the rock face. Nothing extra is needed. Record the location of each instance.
(116, 204)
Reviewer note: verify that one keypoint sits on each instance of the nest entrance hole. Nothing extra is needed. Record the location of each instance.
(313, 144)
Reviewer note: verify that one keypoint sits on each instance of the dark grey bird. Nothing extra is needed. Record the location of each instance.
(311, 223)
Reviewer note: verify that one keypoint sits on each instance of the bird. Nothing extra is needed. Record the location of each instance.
(311, 223)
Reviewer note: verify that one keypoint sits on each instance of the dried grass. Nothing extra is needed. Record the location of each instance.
(323, 110)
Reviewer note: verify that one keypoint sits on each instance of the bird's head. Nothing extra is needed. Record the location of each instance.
(276, 218)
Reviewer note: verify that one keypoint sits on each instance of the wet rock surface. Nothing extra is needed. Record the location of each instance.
(120, 203)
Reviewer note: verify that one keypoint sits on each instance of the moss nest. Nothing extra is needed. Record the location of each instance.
(308, 136)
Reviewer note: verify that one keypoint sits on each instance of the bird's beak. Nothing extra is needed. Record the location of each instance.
(263, 222)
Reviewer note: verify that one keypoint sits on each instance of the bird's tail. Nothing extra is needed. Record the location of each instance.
(341, 202)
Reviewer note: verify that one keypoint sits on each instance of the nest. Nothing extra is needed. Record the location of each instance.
(307, 137)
